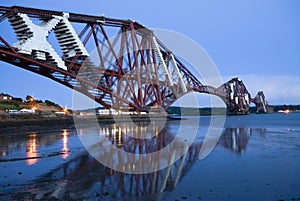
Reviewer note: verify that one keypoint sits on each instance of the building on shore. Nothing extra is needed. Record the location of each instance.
(5, 97)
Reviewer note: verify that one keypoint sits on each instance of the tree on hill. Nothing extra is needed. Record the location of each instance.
(50, 103)
(18, 99)
(29, 98)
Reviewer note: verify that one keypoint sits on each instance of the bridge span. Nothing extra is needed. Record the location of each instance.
(132, 70)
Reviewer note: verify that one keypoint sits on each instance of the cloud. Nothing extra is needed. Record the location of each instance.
(278, 89)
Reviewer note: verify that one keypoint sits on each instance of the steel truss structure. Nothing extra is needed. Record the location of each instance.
(132, 69)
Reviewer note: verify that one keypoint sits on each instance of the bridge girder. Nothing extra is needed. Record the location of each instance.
(260, 101)
(132, 69)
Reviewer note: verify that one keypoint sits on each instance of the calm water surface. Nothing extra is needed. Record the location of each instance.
(256, 158)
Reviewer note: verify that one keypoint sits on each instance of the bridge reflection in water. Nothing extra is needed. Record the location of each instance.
(236, 139)
(84, 177)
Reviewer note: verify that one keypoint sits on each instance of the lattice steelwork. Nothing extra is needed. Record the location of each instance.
(118, 63)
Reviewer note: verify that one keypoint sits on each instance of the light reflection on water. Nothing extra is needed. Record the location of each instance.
(65, 148)
(31, 151)
(33, 146)
(236, 139)
(96, 139)
(79, 176)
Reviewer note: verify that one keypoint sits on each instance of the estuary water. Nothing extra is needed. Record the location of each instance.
(257, 157)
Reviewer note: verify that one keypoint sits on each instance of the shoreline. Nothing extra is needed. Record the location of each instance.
(17, 121)
(37, 123)
(19, 125)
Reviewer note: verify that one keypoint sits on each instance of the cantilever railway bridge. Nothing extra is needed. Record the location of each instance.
(133, 70)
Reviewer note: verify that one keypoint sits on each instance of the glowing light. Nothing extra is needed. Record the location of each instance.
(31, 151)
(65, 110)
(285, 111)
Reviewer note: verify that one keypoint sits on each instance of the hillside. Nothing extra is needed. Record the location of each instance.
(38, 106)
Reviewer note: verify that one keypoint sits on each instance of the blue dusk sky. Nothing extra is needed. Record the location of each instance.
(256, 40)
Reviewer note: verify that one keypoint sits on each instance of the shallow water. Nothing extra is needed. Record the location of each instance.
(256, 158)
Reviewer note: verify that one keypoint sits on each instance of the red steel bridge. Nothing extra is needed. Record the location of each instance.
(133, 69)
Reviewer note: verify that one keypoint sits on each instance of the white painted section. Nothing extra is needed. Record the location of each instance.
(68, 39)
(33, 38)
(162, 62)
(236, 100)
(263, 103)
(231, 93)
(181, 82)
(247, 98)
(244, 101)
(151, 66)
